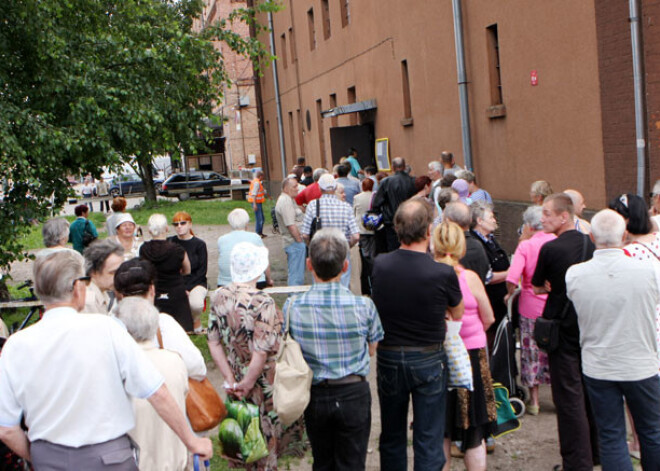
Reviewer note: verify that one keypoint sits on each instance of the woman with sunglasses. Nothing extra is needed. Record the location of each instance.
(195, 282)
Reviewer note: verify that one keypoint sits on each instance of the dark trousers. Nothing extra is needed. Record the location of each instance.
(643, 398)
(106, 203)
(391, 239)
(113, 455)
(578, 436)
(367, 254)
(338, 422)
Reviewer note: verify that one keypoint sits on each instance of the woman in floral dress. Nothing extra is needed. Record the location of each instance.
(244, 334)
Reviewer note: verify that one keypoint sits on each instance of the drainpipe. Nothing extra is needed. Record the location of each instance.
(462, 83)
(640, 123)
(278, 103)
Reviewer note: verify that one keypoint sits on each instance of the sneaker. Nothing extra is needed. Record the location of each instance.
(532, 410)
(263, 236)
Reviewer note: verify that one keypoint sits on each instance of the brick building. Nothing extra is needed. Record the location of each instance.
(549, 84)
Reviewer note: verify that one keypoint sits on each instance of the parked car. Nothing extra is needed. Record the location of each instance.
(185, 185)
(129, 184)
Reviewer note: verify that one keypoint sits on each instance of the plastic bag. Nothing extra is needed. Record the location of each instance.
(254, 445)
(458, 360)
(240, 433)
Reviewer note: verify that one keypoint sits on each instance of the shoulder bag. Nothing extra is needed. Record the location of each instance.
(293, 378)
(87, 236)
(546, 331)
(204, 407)
(316, 222)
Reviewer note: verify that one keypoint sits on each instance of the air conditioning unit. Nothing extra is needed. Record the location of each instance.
(243, 101)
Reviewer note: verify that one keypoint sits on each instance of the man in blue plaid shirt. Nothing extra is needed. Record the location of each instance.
(333, 213)
(337, 332)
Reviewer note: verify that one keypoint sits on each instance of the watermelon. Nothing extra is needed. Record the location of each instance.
(231, 438)
(232, 408)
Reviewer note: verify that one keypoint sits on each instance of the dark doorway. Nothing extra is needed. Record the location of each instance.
(361, 137)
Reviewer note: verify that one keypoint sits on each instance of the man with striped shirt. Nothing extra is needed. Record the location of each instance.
(337, 332)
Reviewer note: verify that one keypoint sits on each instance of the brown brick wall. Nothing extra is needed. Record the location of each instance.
(651, 37)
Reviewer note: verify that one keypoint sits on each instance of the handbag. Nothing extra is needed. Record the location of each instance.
(316, 222)
(458, 360)
(293, 378)
(87, 237)
(204, 407)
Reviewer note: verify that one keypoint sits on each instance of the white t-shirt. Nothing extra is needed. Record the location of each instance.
(71, 375)
(177, 340)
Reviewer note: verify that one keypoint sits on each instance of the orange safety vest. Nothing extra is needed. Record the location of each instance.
(260, 198)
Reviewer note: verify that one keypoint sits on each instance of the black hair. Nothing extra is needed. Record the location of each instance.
(80, 210)
(343, 170)
(633, 208)
(307, 169)
(135, 277)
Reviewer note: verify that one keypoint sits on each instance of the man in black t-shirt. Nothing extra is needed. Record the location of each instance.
(413, 293)
(578, 440)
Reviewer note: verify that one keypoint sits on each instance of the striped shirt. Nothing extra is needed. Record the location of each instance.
(334, 329)
(334, 213)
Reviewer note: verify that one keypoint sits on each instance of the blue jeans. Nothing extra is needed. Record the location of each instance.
(338, 423)
(424, 376)
(259, 217)
(345, 279)
(295, 255)
(643, 399)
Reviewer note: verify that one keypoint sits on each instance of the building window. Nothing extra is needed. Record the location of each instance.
(494, 65)
(319, 126)
(301, 134)
(333, 104)
(283, 51)
(292, 137)
(351, 98)
(312, 30)
(345, 13)
(407, 107)
(292, 43)
(325, 14)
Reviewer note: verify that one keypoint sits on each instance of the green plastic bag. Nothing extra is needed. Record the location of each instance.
(254, 446)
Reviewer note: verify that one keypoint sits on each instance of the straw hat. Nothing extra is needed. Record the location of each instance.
(248, 262)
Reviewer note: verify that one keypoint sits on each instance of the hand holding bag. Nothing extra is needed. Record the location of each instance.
(293, 378)
(458, 360)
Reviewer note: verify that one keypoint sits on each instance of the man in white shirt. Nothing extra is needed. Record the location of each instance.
(615, 298)
(70, 377)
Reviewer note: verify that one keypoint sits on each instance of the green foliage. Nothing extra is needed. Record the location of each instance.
(86, 84)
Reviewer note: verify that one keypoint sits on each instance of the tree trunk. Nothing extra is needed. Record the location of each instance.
(148, 180)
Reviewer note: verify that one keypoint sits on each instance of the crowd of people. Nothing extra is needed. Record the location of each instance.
(390, 259)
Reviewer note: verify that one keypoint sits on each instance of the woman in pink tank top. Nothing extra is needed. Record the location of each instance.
(471, 415)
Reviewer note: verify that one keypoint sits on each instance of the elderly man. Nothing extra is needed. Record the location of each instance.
(578, 442)
(615, 297)
(475, 258)
(70, 377)
(581, 225)
(289, 217)
(257, 196)
(413, 294)
(435, 174)
(337, 332)
(393, 191)
(333, 213)
(351, 185)
(474, 192)
(102, 258)
(449, 167)
(311, 192)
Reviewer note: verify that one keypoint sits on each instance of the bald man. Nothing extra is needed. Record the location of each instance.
(581, 225)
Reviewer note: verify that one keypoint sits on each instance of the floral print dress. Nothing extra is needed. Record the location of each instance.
(243, 320)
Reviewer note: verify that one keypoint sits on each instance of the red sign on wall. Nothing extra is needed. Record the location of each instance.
(534, 78)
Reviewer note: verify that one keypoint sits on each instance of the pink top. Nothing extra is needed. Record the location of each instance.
(472, 331)
(530, 305)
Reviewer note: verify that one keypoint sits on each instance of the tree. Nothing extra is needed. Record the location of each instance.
(86, 84)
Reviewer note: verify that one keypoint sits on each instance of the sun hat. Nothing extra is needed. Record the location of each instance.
(327, 182)
(122, 218)
(248, 262)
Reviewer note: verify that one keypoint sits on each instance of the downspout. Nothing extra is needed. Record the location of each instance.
(640, 122)
(278, 103)
(462, 83)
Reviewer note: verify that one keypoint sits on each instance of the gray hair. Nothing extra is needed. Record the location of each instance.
(327, 252)
(157, 224)
(54, 275)
(139, 316)
(532, 217)
(459, 213)
(288, 181)
(541, 188)
(55, 232)
(607, 228)
(656, 188)
(466, 175)
(98, 252)
(238, 219)
(478, 210)
(435, 166)
(318, 173)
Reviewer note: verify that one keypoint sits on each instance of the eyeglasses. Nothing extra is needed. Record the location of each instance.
(180, 223)
(83, 279)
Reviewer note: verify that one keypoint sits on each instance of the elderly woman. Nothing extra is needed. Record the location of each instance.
(102, 258)
(171, 263)
(244, 335)
(160, 448)
(137, 278)
(483, 226)
(367, 245)
(55, 233)
(238, 220)
(471, 415)
(125, 235)
(195, 282)
(118, 207)
(423, 186)
(534, 363)
(80, 227)
(539, 191)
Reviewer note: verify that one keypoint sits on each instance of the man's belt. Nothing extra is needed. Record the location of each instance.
(406, 348)
(350, 379)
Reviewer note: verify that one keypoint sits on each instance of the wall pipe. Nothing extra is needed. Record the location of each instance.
(278, 103)
(640, 122)
(462, 83)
